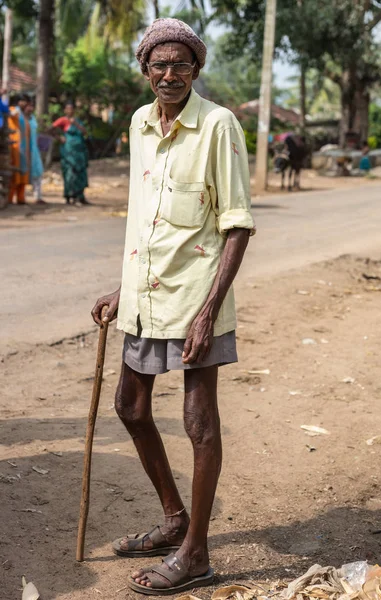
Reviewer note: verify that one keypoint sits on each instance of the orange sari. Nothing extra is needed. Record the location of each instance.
(20, 154)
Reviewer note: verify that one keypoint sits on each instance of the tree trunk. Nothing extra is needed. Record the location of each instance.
(44, 56)
(303, 98)
(7, 50)
(355, 100)
(361, 124)
(156, 8)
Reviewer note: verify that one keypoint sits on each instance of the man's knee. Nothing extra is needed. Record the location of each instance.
(133, 411)
(202, 428)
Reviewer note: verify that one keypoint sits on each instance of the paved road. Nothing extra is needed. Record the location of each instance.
(52, 275)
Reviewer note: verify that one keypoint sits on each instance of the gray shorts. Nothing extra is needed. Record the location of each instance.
(153, 357)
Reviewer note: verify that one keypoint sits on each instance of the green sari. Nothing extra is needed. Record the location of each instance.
(74, 163)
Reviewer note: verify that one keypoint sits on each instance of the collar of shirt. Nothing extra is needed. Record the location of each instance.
(188, 116)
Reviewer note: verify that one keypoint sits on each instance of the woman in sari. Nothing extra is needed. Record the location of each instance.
(20, 150)
(74, 156)
(36, 166)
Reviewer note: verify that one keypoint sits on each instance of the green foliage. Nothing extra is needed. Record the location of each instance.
(230, 82)
(372, 142)
(307, 30)
(375, 125)
(101, 130)
(191, 12)
(323, 96)
(337, 37)
(251, 141)
(23, 32)
(94, 74)
(84, 73)
(25, 9)
(119, 21)
(72, 20)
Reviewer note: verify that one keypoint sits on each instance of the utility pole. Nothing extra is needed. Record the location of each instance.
(265, 98)
(6, 74)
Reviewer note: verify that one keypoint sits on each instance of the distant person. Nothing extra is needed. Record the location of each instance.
(365, 164)
(4, 109)
(36, 169)
(74, 155)
(19, 137)
(122, 143)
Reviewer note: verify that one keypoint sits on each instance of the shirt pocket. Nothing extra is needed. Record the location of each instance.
(185, 204)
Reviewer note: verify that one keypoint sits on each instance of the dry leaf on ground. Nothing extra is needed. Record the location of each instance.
(30, 592)
(376, 439)
(188, 597)
(40, 471)
(234, 592)
(314, 429)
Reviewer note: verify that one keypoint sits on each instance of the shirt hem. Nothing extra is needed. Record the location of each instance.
(179, 334)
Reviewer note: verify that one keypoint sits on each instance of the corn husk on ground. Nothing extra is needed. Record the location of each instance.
(318, 583)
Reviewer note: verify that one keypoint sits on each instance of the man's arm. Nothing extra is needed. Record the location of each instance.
(200, 337)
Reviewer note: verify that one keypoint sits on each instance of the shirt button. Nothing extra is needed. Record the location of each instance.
(162, 151)
(143, 295)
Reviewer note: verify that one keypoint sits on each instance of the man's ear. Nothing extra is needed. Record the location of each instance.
(196, 71)
(146, 76)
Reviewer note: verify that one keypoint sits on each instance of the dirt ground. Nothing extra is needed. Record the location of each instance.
(108, 193)
(285, 500)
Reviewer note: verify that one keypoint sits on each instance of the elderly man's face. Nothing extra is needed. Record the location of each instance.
(171, 87)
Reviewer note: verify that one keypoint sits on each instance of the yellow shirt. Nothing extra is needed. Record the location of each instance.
(187, 190)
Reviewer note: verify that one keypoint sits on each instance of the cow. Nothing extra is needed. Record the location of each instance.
(291, 157)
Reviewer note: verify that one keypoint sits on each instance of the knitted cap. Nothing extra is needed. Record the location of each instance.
(162, 31)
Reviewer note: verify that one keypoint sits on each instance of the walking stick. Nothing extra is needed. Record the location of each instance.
(85, 498)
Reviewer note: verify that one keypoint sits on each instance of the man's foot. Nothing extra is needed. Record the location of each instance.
(159, 542)
(178, 572)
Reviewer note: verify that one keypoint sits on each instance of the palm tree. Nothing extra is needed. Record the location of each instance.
(117, 20)
(44, 54)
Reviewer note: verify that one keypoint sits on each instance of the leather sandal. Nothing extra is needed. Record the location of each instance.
(171, 579)
(160, 545)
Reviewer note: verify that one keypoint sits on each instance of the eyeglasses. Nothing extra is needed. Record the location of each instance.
(180, 68)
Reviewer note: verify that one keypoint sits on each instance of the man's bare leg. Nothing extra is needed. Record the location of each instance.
(202, 425)
(133, 404)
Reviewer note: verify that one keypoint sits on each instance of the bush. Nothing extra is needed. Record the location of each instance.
(251, 141)
(375, 124)
(372, 142)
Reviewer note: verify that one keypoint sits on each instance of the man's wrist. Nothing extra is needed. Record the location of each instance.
(210, 311)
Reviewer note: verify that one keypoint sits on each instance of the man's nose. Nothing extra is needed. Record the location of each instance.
(169, 74)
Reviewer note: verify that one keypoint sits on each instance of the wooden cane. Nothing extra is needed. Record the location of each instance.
(85, 498)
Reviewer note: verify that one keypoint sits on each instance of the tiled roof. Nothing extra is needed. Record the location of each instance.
(278, 112)
(20, 81)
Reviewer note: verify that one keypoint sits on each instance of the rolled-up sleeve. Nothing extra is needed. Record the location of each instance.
(232, 181)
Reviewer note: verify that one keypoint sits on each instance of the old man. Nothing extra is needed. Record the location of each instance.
(188, 226)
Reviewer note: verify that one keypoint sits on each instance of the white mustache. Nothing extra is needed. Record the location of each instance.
(170, 87)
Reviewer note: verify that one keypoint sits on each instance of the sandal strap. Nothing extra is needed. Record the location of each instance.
(155, 536)
(175, 573)
(174, 563)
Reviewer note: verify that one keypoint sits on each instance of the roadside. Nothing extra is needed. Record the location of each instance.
(109, 178)
(285, 500)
